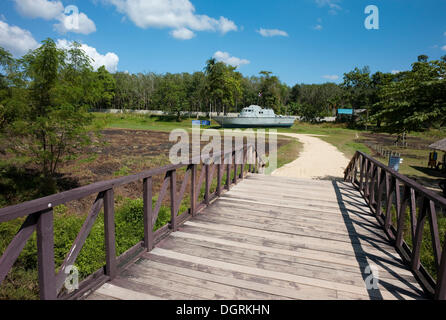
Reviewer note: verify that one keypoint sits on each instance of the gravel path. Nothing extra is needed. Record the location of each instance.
(317, 160)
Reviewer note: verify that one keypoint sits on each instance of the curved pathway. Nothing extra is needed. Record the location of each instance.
(317, 160)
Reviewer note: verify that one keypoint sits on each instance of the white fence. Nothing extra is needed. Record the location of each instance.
(162, 113)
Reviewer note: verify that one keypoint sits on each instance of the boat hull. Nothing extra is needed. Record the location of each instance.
(245, 122)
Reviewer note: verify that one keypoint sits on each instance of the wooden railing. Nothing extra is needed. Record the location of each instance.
(402, 206)
(39, 217)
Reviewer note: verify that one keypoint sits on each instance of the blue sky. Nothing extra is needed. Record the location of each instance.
(310, 41)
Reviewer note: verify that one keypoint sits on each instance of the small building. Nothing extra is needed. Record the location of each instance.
(438, 146)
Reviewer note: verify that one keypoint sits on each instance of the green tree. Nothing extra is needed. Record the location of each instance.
(55, 122)
(416, 100)
(105, 86)
(357, 87)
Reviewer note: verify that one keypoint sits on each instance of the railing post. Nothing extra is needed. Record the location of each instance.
(249, 156)
(235, 167)
(361, 174)
(440, 291)
(401, 217)
(173, 200)
(219, 174)
(228, 175)
(208, 185)
(110, 241)
(193, 188)
(242, 171)
(148, 213)
(45, 256)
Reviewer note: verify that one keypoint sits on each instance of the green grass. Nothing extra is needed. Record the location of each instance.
(22, 282)
(140, 122)
(288, 152)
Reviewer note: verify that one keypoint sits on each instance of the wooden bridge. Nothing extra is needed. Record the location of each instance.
(250, 236)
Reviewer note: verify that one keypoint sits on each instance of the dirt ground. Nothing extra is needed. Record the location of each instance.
(116, 153)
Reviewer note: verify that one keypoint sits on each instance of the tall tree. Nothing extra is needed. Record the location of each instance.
(55, 122)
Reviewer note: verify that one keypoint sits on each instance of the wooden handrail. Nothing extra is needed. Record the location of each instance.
(39, 215)
(382, 188)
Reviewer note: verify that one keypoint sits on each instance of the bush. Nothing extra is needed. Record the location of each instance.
(22, 282)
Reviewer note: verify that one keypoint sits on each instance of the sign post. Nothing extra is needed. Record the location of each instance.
(394, 163)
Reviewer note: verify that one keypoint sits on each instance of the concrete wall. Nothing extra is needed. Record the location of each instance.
(161, 113)
(188, 113)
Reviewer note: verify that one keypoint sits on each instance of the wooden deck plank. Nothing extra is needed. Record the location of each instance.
(288, 230)
(291, 215)
(271, 238)
(277, 262)
(306, 256)
(311, 224)
(121, 293)
(239, 279)
(198, 286)
(269, 273)
(294, 242)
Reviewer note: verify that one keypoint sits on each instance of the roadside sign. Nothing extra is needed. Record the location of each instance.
(394, 163)
(201, 123)
(345, 111)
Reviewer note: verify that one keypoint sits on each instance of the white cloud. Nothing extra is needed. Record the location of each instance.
(444, 34)
(272, 32)
(395, 71)
(109, 60)
(318, 27)
(443, 48)
(175, 14)
(226, 58)
(70, 19)
(16, 40)
(331, 4)
(182, 34)
(83, 25)
(331, 77)
(226, 25)
(44, 9)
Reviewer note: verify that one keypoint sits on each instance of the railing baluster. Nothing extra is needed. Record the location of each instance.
(193, 190)
(381, 186)
(372, 187)
(235, 167)
(173, 200)
(148, 214)
(45, 256)
(402, 217)
(440, 290)
(413, 212)
(375, 177)
(242, 166)
(110, 241)
(434, 233)
(415, 264)
(219, 174)
(208, 185)
(388, 219)
(361, 177)
(228, 175)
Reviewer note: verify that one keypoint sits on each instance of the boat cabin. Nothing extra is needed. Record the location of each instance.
(257, 112)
